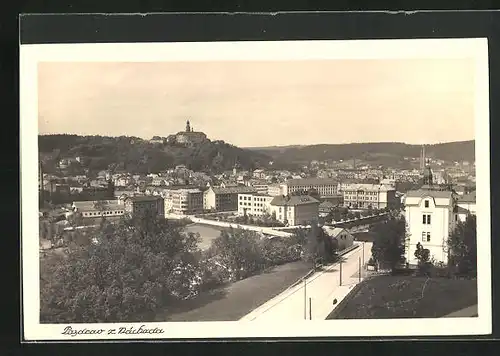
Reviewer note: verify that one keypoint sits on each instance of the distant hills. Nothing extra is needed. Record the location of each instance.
(142, 156)
(392, 151)
(138, 155)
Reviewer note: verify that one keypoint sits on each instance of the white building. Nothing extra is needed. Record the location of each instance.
(431, 218)
(295, 209)
(183, 201)
(276, 189)
(224, 199)
(254, 204)
(364, 196)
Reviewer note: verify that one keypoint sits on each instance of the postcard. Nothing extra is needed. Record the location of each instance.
(268, 189)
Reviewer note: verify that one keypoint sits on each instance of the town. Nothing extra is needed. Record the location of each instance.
(348, 200)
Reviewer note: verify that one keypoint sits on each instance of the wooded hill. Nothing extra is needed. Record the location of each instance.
(387, 151)
(134, 154)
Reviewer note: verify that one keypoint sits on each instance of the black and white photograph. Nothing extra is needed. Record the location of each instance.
(255, 189)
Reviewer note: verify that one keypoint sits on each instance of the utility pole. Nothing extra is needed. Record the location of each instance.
(305, 300)
(340, 272)
(363, 253)
(310, 308)
(359, 270)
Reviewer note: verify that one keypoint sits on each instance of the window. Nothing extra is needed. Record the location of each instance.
(456, 217)
(426, 219)
(426, 203)
(426, 236)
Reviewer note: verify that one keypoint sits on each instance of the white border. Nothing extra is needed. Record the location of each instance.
(30, 55)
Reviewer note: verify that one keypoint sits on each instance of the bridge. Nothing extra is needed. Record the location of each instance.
(361, 223)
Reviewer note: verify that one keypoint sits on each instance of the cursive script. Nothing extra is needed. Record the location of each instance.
(68, 330)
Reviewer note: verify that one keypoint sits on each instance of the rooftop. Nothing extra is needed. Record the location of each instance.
(312, 181)
(294, 200)
(234, 190)
(333, 231)
(468, 198)
(145, 198)
(420, 193)
(96, 205)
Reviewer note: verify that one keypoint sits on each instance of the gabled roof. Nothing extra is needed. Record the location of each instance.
(294, 200)
(333, 231)
(420, 193)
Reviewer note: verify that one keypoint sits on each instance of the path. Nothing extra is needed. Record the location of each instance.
(322, 288)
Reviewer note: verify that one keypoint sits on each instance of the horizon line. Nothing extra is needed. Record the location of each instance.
(271, 146)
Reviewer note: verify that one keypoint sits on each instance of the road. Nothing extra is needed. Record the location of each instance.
(322, 288)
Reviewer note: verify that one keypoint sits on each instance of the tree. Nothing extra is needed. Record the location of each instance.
(318, 246)
(462, 247)
(239, 251)
(389, 242)
(423, 256)
(136, 267)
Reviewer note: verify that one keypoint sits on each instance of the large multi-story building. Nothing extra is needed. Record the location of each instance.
(189, 136)
(276, 189)
(139, 205)
(366, 196)
(224, 199)
(254, 204)
(184, 201)
(324, 186)
(431, 214)
(295, 210)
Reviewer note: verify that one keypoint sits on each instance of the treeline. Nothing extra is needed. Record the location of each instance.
(132, 270)
(452, 151)
(133, 154)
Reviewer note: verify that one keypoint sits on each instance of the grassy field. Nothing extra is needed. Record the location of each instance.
(234, 301)
(408, 297)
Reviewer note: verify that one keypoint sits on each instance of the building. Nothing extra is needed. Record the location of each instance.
(224, 199)
(254, 204)
(189, 136)
(325, 208)
(276, 189)
(466, 205)
(139, 205)
(343, 237)
(366, 196)
(295, 210)
(99, 208)
(186, 201)
(431, 216)
(324, 186)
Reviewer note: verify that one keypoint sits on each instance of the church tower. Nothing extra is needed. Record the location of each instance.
(188, 126)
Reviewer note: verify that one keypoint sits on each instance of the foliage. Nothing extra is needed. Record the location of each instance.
(140, 156)
(462, 247)
(239, 251)
(386, 152)
(318, 247)
(136, 267)
(389, 244)
(423, 256)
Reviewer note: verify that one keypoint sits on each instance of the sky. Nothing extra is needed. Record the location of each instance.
(263, 103)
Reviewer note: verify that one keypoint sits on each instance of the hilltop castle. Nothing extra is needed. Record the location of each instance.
(189, 136)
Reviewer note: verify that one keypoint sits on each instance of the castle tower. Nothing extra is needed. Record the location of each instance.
(188, 126)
